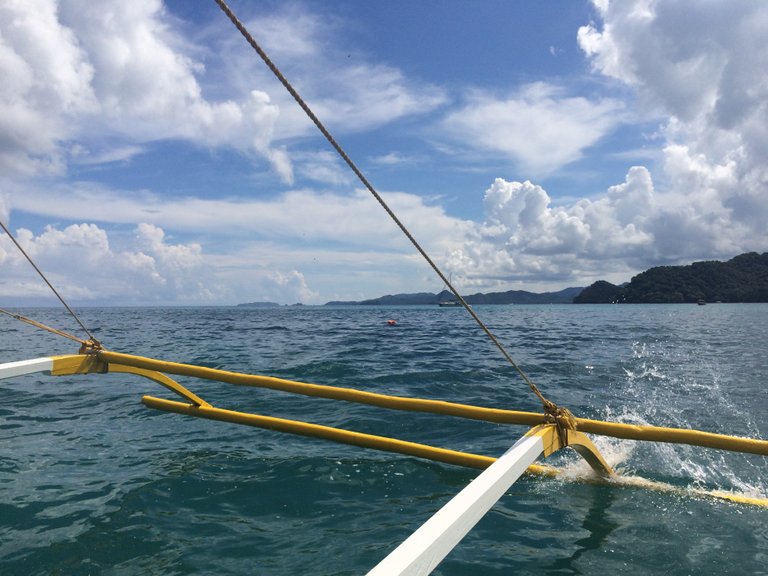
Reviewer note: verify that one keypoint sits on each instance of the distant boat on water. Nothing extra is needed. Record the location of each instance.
(447, 298)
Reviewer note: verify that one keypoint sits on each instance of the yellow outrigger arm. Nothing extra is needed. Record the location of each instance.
(103, 361)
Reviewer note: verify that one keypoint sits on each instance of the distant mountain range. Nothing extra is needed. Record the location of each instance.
(428, 298)
(741, 279)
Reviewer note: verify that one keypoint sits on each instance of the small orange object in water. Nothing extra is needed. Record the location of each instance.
(391, 322)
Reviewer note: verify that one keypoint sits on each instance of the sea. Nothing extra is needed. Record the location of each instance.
(93, 482)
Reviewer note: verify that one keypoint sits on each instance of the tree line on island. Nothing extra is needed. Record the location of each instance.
(741, 279)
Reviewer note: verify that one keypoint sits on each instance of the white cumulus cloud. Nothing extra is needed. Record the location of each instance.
(46, 84)
(525, 238)
(290, 286)
(697, 68)
(540, 128)
(80, 261)
(76, 73)
(700, 67)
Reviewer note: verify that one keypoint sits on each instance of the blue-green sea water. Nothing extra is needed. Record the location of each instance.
(92, 482)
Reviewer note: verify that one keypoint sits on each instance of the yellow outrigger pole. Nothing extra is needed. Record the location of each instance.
(100, 361)
(613, 429)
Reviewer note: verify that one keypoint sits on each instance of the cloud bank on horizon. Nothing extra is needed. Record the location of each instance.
(147, 157)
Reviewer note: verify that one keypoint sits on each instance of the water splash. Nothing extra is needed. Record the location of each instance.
(679, 384)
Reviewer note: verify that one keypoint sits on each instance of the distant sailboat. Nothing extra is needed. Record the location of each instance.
(446, 299)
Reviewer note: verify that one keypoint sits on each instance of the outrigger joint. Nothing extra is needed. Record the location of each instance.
(91, 346)
(556, 438)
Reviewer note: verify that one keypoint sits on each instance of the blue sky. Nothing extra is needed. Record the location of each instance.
(148, 157)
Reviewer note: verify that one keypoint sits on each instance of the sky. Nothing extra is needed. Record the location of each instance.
(148, 157)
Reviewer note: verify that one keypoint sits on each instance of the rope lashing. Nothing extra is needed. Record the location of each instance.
(42, 326)
(563, 420)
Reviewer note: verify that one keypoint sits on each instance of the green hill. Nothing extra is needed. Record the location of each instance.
(741, 279)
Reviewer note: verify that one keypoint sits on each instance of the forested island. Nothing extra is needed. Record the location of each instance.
(741, 279)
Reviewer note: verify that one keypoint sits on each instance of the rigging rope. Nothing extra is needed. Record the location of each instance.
(549, 407)
(93, 341)
(37, 324)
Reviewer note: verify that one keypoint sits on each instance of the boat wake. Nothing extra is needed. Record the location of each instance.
(668, 381)
(683, 476)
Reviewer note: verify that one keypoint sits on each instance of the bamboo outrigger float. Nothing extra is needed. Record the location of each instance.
(554, 429)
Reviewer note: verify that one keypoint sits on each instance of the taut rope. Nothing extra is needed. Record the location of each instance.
(550, 408)
(92, 342)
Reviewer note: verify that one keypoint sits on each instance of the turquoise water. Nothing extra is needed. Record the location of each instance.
(92, 482)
